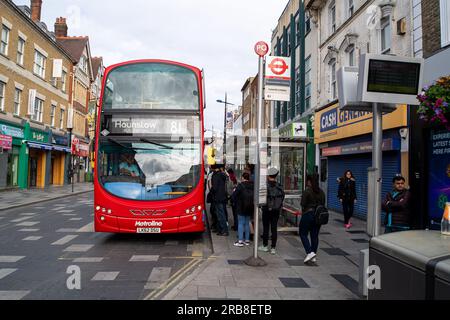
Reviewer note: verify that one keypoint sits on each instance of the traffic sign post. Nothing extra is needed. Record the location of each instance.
(277, 79)
(261, 49)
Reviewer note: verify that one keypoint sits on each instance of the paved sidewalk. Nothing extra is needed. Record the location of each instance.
(334, 276)
(10, 199)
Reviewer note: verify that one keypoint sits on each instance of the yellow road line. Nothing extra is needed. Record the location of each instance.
(191, 264)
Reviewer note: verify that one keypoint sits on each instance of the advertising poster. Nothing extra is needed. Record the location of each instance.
(439, 178)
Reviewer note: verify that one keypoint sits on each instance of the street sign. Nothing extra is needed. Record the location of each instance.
(261, 48)
(277, 79)
(75, 141)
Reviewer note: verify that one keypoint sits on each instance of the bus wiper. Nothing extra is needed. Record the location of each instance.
(156, 144)
(118, 143)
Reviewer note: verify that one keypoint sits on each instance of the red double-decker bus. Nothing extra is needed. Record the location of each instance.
(149, 149)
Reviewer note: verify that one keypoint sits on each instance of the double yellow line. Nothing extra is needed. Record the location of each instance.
(154, 295)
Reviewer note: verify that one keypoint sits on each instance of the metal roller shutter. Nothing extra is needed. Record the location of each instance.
(358, 164)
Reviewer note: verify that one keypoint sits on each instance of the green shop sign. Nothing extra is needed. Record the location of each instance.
(38, 136)
(11, 131)
(295, 130)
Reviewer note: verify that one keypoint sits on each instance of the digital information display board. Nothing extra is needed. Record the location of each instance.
(393, 77)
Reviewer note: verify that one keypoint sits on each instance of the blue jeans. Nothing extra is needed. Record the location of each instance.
(309, 226)
(221, 218)
(244, 227)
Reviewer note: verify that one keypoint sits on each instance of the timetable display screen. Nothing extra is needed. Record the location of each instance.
(393, 77)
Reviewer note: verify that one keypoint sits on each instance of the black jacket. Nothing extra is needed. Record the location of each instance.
(244, 198)
(347, 189)
(218, 186)
(310, 199)
(398, 206)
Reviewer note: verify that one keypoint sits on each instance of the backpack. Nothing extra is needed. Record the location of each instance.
(275, 197)
(229, 187)
(321, 215)
(247, 198)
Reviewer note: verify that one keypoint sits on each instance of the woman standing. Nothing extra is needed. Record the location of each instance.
(312, 197)
(244, 208)
(347, 196)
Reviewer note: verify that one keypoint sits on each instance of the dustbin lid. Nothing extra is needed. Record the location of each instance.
(415, 248)
(443, 270)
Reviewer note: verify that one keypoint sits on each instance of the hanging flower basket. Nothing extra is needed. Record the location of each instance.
(434, 103)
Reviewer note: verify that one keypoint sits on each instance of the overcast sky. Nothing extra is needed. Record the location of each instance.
(216, 35)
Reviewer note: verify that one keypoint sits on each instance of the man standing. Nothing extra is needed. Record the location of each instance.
(396, 206)
(219, 192)
(271, 211)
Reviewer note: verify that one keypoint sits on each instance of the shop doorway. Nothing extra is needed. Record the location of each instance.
(33, 172)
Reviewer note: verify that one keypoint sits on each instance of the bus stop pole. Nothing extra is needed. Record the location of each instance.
(377, 163)
(255, 261)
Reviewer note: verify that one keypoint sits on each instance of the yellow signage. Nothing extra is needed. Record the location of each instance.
(333, 124)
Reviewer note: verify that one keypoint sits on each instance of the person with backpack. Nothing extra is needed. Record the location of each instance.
(313, 202)
(271, 211)
(347, 196)
(244, 208)
(219, 194)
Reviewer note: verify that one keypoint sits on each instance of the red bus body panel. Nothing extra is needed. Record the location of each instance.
(168, 215)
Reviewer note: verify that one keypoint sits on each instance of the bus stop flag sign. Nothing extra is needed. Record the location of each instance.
(277, 79)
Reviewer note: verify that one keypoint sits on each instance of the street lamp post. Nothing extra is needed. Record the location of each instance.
(225, 123)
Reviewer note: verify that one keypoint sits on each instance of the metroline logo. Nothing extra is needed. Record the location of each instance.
(148, 224)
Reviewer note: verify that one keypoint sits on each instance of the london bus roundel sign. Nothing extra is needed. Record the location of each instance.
(261, 48)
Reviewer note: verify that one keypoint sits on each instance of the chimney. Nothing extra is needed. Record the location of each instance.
(36, 6)
(60, 27)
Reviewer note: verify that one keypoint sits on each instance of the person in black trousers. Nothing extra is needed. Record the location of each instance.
(311, 198)
(271, 211)
(347, 196)
(218, 189)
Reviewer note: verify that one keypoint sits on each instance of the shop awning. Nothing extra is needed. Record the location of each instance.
(41, 146)
(49, 147)
(61, 148)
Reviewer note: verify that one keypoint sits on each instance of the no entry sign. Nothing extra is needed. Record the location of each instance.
(261, 48)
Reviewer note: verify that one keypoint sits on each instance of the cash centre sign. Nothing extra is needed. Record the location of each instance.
(333, 124)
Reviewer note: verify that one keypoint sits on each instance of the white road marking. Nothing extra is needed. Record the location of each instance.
(6, 272)
(79, 248)
(144, 258)
(13, 295)
(27, 224)
(32, 238)
(64, 240)
(90, 259)
(157, 277)
(11, 259)
(105, 276)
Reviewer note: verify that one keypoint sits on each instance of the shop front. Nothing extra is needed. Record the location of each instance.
(58, 164)
(345, 143)
(11, 137)
(80, 158)
(39, 155)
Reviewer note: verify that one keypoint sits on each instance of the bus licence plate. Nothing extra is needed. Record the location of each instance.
(148, 230)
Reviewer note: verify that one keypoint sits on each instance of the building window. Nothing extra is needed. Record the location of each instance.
(61, 119)
(63, 81)
(308, 83)
(307, 23)
(332, 15)
(445, 22)
(386, 35)
(351, 8)
(351, 55)
(38, 110)
(5, 40)
(2, 95)
(333, 85)
(39, 64)
(52, 115)
(83, 64)
(20, 51)
(288, 41)
(17, 101)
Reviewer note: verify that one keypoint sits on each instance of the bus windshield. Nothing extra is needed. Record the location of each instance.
(151, 86)
(147, 170)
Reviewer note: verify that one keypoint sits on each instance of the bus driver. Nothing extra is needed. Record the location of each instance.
(128, 165)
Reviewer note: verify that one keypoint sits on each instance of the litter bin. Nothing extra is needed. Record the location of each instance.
(413, 265)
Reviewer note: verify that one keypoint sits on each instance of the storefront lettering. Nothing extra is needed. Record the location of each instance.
(346, 115)
(441, 143)
(12, 131)
(328, 120)
(38, 136)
